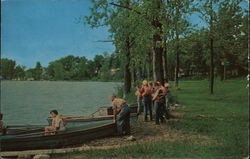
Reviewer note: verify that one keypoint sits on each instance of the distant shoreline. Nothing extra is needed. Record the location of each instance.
(58, 80)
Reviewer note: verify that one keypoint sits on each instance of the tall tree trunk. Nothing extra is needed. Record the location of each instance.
(148, 64)
(211, 66)
(211, 51)
(221, 72)
(157, 60)
(153, 64)
(157, 45)
(225, 72)
(177, 62)
(127, 72)
(164, 60)
(133, 76)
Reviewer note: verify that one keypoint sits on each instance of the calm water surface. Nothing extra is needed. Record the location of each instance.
(29, 102)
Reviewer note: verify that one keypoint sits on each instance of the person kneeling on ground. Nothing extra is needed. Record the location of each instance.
(56, 125)
(121, 115)
(2, 125)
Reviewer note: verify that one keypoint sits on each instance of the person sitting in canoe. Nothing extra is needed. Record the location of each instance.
(2, 125)
(121, 115)
(56, 125)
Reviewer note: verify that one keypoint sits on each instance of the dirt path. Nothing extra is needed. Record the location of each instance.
(144, 132)
(149, 132)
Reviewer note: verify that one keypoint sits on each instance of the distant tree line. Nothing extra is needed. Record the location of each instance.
(103, 67)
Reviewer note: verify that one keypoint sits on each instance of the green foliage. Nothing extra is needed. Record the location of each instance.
(58, 70)
(38, 71)
(7, 68)
(19, 72)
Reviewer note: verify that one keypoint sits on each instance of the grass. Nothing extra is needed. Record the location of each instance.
(222, 117)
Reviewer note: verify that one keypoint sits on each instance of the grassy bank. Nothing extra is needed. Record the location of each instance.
(219, 124)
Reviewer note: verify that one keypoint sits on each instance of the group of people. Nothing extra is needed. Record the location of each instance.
(153, 97)
(150, 96)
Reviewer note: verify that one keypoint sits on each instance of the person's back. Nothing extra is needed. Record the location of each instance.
(57, 124)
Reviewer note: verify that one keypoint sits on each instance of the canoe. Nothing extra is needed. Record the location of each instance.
(23, 130)
(107, 110)
(75, 135)
(103, 113)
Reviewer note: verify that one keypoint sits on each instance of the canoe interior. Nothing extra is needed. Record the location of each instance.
(28, 129)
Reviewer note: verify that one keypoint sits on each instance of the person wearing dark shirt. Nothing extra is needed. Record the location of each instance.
(121, 115)
(159, 99)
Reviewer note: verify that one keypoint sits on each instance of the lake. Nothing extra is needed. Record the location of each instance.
(29, 102)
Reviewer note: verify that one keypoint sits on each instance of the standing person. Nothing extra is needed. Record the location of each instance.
(56, 125)
(167, 98)
(146, 95)
(121, 115)
(139, 100)
(158, 98)
(152, 88)
(2, 125)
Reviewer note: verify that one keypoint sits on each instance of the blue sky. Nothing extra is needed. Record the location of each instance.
(46, 30)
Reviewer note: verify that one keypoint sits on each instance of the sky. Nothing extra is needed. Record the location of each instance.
(46, 30)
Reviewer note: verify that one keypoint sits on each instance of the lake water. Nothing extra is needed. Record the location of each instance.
(29, 102)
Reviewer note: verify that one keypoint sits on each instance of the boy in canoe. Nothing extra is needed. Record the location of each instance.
(121, 115)
(57, 123)
(2, 125)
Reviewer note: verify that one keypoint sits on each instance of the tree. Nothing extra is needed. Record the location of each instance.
(83, 69)
(209, 16)
(20, 72)
(7, 68)
(103, 13)
(98, 60)
(229, 30)
(58, 70)
(38, 71)
(179, 27)
(29, 73)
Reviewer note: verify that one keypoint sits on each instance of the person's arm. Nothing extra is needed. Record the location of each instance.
(114, 107)
(137, 93)
(143, 91)
(164, 91)
(155, 94)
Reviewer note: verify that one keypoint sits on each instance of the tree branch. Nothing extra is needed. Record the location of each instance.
(121, 6)
(104, 41)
